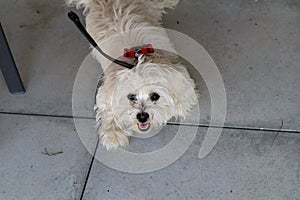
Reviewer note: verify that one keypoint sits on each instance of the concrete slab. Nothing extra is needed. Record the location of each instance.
(29, 171)
(243, 165)
(255, 44)
(48, 50)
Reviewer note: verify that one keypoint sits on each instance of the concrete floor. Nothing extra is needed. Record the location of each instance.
(256, 46)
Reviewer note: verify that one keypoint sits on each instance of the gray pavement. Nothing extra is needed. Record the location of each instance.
(254, 43)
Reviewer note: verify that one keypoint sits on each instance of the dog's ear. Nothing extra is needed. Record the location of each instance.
(184, 90)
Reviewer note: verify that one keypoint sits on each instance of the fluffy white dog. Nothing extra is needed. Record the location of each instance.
(158, 88)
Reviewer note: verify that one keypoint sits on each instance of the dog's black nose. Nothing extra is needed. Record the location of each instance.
(142, 117)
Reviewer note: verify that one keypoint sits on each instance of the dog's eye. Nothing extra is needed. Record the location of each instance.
(131, 97)
(154, 96)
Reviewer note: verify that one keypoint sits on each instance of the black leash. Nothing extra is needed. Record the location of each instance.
(74, 17)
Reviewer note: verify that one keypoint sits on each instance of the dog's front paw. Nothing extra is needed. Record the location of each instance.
(112, 141)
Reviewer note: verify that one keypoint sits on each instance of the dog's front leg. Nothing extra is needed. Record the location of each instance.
(111, 136)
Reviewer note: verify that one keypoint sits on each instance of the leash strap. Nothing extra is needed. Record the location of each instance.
(74, 17)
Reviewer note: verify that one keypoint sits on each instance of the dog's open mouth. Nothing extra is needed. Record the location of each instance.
(144, 126)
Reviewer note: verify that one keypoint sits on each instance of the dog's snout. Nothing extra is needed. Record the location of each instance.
(142, 117)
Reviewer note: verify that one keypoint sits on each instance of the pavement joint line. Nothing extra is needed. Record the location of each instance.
(89, 171)
(236, 127)
(168, 123)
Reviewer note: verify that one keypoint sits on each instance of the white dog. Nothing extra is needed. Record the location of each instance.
(156, 89)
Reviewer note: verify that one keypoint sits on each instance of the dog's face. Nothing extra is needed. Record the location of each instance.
(148, 96)
(145, 108)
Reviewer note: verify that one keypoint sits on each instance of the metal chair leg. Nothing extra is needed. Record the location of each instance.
(8, 67)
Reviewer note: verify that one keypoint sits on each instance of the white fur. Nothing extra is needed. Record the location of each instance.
(162, 73)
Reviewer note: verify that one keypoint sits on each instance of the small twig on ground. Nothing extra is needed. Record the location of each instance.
(45, 152)
(277, 134)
